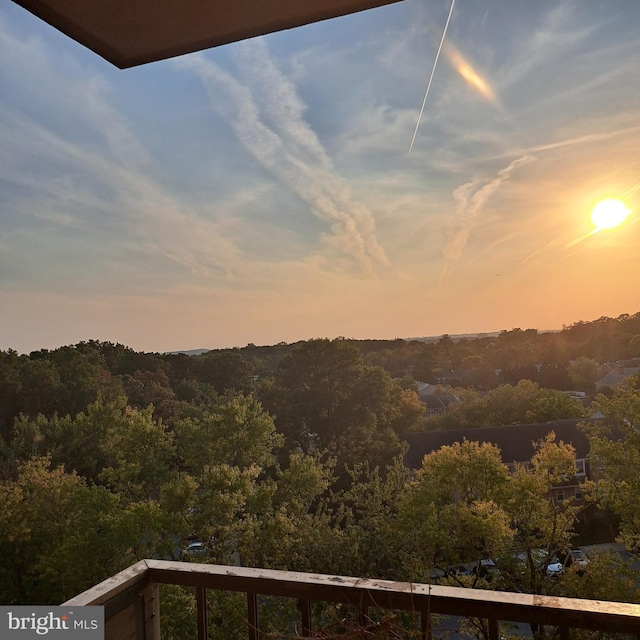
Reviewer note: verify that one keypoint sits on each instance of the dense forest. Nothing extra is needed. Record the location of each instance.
(290, 457)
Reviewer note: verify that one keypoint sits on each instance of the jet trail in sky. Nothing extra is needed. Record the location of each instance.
(433, 70)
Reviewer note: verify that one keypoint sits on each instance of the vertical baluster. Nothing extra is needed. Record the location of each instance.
(305, 612)
(425, 624)
(494, 629)
(363, 615)
(252, 607)
(425, 618)
(201, 605)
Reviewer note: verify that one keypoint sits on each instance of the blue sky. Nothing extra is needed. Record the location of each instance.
(263, 191)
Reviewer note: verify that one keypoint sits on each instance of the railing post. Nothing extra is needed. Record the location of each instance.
(252, 617)
(305, 613)
(201, 605)
(151, 598)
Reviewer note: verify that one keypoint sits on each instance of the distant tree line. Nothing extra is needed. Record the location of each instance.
(540, 356)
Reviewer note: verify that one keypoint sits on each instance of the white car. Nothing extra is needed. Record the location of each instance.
(573, 557)
(555, 569)
(196, 548)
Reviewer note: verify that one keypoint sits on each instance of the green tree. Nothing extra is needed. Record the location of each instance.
(324, 398)
(224, 371)
(524, 403)
(138, 452)
(221, 508)
(634, 346)
(540, 521)
(464, 506)
(527, 402)
(615, 448)
(82, 378)
(369, 509)
(583, 373)
(110, 443)
(606, 576)
(73, 442)
(452, 512)
(237, 432)
(58, 535)
(150, 388)
(77, 442)
(27, 387)
(293, 526)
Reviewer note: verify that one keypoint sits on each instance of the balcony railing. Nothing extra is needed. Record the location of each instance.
(132, 611)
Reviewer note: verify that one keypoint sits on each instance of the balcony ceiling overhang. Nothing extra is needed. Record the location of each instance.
(133, 32)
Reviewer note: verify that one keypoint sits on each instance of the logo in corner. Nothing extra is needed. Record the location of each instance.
(25, 622)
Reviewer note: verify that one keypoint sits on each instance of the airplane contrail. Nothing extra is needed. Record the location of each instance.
(433, 70)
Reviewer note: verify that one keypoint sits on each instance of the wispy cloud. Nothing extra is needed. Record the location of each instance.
(590, 138)
(108, 198)
(267, 116)
(470, 199)
(633, 189)
(559, 32)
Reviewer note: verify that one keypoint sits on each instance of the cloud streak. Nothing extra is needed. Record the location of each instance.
(470, 199)
(107, 198)
(559, 32)
(267, 117)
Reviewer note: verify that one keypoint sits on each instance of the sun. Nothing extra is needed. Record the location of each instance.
(609, 213)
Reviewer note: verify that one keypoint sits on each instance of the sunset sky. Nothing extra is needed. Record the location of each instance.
(263, 191)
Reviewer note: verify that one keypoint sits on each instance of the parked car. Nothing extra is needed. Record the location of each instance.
(195, 548)
(576, 558)
(555, 568)
(572, 558)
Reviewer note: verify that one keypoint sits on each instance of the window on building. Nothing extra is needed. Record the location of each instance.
(580, 466)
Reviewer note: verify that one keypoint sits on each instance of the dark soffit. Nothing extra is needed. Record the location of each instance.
(133, 32)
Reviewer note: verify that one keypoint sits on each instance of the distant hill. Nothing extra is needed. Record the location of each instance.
(455, 337)
(189, 352)
(426, 339)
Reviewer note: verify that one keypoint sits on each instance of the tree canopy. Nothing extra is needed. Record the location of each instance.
(327, 400)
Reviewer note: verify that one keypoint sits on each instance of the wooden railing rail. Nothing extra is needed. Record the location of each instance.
(131, 600)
